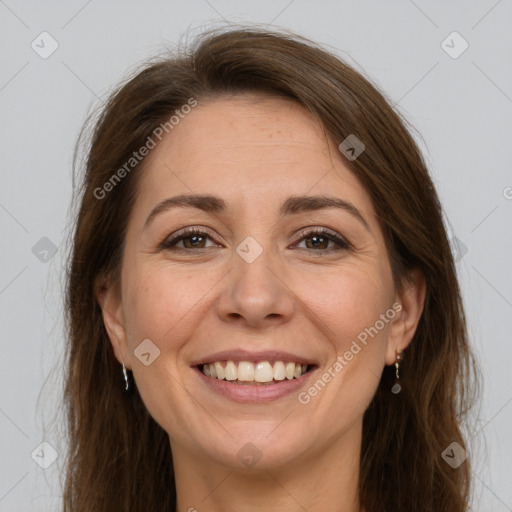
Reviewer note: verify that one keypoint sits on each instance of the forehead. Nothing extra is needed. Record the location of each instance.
(247, 147)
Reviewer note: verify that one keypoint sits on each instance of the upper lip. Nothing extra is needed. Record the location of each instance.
(245, 355)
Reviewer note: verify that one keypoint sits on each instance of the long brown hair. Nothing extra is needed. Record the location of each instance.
(119, 457)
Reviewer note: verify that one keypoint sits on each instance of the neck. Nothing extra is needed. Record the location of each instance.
(324, 480)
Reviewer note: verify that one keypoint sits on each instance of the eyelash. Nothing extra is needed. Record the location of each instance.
(169, 243)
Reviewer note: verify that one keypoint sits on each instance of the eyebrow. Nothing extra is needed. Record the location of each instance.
(292, 205)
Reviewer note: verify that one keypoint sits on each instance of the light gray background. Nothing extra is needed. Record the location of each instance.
(462, 107)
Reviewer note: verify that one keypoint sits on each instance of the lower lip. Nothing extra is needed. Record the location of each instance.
(244, 393)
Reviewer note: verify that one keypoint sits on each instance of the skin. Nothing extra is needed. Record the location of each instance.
(254, 152)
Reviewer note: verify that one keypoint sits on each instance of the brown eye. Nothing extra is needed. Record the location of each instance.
(190, 239)
(193, 241)
(319, 240)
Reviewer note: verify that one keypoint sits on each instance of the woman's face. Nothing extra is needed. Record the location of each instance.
(288, 265)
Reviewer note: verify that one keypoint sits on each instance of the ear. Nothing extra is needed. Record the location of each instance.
(403, 326)
(108, 296)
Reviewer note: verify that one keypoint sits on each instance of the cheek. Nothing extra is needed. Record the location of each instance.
(346, 302)
(348, 308)
(161, 303)
(353, 309)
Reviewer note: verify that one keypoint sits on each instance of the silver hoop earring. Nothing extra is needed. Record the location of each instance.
(127, 384)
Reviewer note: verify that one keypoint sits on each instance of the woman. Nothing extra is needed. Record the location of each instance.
(260, 255)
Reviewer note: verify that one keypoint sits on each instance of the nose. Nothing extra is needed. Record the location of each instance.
(256, 294)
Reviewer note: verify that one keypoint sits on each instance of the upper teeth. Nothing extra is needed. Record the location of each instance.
(262, 371)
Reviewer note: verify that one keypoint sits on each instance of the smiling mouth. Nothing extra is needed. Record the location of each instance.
(261, 373)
